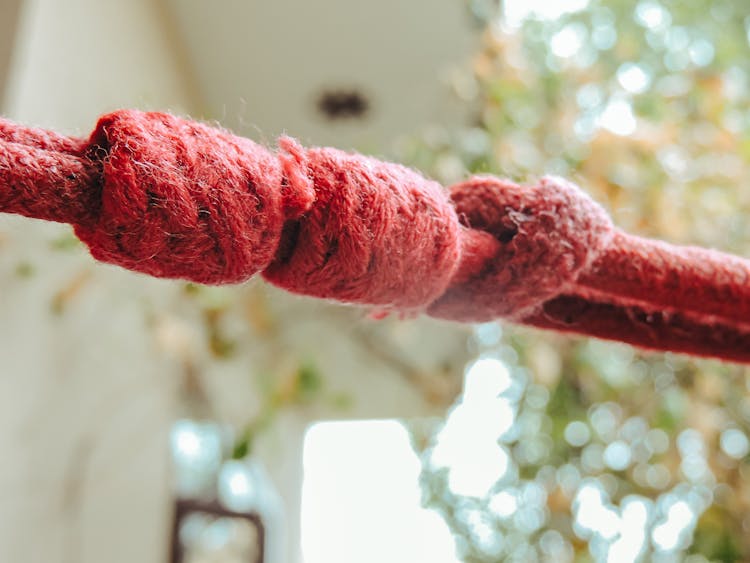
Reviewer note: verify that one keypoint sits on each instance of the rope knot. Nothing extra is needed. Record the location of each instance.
(378, 233)
(179, 199)
(522, 246)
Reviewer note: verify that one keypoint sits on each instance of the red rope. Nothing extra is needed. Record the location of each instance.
(177, 199)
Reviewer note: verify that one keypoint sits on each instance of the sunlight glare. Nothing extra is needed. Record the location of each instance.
(361, 498)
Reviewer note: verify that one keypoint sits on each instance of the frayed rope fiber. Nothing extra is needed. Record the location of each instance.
(173, 198)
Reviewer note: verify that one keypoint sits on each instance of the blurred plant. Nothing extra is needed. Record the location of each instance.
(298, 389)
(290, 385)
(573, 450)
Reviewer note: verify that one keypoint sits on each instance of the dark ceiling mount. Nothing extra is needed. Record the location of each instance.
(343, 104)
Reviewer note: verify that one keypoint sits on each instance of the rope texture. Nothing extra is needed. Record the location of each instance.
(173, 198)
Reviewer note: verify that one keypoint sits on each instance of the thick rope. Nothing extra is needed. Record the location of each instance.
(173, 198)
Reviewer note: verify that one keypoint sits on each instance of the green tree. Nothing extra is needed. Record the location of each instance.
(611, 454)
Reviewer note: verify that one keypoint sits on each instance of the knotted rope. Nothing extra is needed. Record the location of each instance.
(172, 198)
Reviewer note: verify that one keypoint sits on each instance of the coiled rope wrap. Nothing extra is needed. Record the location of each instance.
(173, 198)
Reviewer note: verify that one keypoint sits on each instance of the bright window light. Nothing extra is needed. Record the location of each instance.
(361, 498)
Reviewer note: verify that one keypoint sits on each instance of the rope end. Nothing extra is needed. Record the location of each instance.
(298, 192)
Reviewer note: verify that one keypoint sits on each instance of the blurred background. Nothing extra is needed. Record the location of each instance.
(150, 420)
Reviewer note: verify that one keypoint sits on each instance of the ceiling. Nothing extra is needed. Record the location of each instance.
(342, 72)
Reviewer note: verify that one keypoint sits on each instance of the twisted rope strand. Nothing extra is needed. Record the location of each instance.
(645, 328)
(173, 198)
(691, 280)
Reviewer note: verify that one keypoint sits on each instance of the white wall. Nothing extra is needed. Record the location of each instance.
(79, 58)
(87, 396)
(9, 12)
(83, 411)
